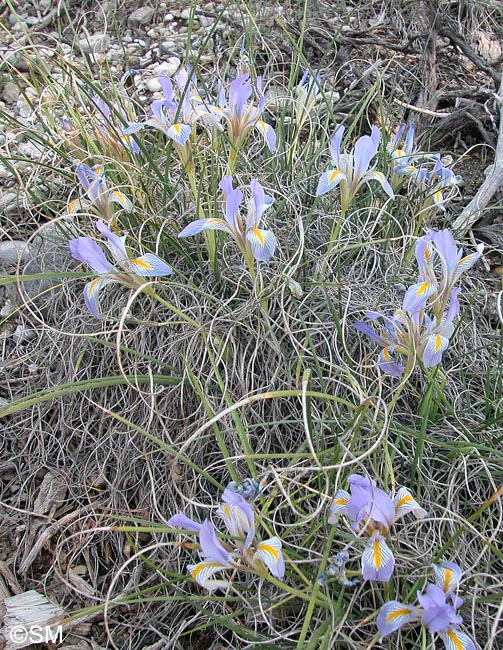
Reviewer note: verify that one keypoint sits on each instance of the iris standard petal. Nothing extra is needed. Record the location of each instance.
(454, 639)
(115, 244)
(149, 265)
(182, 521)
(438, 615)
(394, 615)
(377, 560)
(329, 180)
(197, 226)
(87, 250)
(335, 145)
(367, 329)
(211, 548)
(263, 244)
(404, 503)
(365, 149)
(269, 551)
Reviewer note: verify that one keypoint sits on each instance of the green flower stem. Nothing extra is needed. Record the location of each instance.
(209, 235)
(316, 589)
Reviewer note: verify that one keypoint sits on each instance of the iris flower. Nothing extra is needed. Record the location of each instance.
(107, 133)
(99, 195)
(242, 115)
(411, 331)
(432, 183)
(128, 272)
(254, 242)
(239, 518)
(437, 610)
(372, 513)
(351, 169)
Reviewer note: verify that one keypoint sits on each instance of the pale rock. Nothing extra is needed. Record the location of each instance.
(154, 86)
(23, 333)
(168, 46)
(168, 68)
(185, 14)
(141, 16)
(10, 92)
(95, 43)
(168, 18)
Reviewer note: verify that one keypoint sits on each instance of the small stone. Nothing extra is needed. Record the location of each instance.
(10, 92)
(23, 333)
(168, 46)
(206, 21)
(168, 18)
(7, 309)
(95, 43)
(209, 6)
(24, 107)
(168, 68)
(16, 59)
(11, 252)
(141, 16)
(154, 86)
(152, 33)
(185, 14)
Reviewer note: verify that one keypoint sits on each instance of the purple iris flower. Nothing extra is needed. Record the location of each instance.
(351, 169)
(239, 518)
(107, 128)
(98, 193)
(437, 610)
(254, 242)
(411, 331)
(242, 116)
(128, 272)
(371, 513)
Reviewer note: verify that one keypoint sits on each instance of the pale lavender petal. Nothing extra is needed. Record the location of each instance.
(436, 344)
(86, 250)
(268, 133)
(269, 551)
(443, 241)
(263, 244)
(416, 296)
(199, 225)
(329, 180)
(149, 265)
(388, 364)
(367, 329)
(394, 615)
(211, 548)
(91, 294)
(380, 178)
(335, 145)
(182, 521)
(377, 560)
(438, 615)
(232, 203)
(115, 244)
(365, 149)
(447, 576)
(454, 639)
(180, 133)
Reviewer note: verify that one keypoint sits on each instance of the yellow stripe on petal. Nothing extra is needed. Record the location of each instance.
(258, 235)
(177, 128)
(397, 613)
(91, 287)
(143, 264)
(204, 566)
(72, 206)
(454, 640)
(267, 548)
(405, 499)
(334, 175)
(377, 554)
(422, 288)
